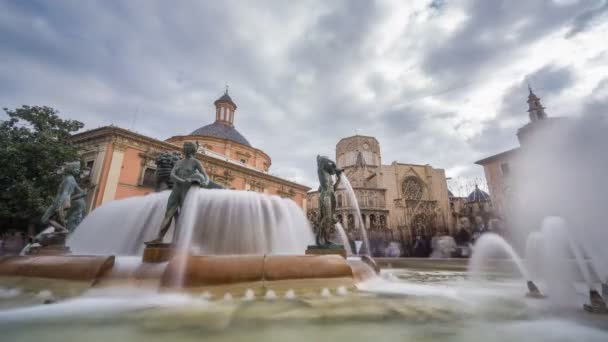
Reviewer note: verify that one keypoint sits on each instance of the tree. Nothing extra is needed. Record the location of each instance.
(34, 144)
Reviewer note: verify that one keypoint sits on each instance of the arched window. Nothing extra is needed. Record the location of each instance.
(412, 188)
(339, 200)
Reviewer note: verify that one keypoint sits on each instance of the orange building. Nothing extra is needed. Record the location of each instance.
(122, 162)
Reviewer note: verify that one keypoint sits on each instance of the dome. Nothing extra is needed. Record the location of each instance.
(222, 131)
(478, 195)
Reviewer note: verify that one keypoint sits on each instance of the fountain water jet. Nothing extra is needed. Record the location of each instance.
(488, 244)
(553, 248)
(352, 198)
(345, 242)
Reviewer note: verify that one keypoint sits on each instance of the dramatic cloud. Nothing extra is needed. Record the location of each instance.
(438, 82)
(584, 20)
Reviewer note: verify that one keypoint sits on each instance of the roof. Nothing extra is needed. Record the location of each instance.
(498, 156)
(222, 131)
(478, 195)
(225, 99)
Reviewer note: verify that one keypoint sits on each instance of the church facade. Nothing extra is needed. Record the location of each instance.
(122, 162)
(397, 201)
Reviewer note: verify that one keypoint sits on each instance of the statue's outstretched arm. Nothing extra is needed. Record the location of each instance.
(338, 178)
(78, 192)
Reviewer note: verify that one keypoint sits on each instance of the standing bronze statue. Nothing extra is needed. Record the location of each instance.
(68, 207)
(185, 174)
(326, 169)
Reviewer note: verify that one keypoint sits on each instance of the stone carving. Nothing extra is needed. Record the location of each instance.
(68, 208)
(326, 169)
(185, 174)
(164, 164)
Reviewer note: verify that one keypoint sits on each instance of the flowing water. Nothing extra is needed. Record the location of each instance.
(402, 305)
(486, 247)
(556, 236)
(555, 258)
(211, 222)
(532, 253)
(352, 198)
(344, 239)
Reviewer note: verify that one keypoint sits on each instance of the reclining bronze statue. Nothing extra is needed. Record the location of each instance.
(68, 207)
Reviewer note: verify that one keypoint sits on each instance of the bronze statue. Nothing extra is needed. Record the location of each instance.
(68, 207)
(326, 169)
(186, 173)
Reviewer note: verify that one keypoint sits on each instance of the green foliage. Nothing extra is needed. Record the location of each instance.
(34, 144)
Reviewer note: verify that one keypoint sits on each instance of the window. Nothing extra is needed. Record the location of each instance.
(88, 168)
(412, 189)
(149, 178)
(339, 200)
(504, 167)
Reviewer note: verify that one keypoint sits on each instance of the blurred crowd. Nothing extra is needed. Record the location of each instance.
(386, 243)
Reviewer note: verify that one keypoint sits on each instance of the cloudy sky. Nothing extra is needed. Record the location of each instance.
(440, 82)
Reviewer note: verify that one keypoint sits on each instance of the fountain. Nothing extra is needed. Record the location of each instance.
(219, 239)
(236, 271)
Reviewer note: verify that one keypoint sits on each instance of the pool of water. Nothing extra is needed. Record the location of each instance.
(401, 305)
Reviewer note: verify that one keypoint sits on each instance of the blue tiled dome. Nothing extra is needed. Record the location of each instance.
(222, 131)
(478, 195)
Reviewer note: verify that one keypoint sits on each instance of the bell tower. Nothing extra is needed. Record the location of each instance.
(224, 109)
(535, 108)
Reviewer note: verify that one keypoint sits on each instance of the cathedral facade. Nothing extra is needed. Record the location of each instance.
(397, 201)
(122, 162)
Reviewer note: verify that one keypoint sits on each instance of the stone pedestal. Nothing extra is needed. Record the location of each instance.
(326, 250)
(158, 252)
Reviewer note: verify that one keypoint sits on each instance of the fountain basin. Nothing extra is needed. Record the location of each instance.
(195, 272)
(65, 267)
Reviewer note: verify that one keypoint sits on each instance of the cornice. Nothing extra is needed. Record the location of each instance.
(109, 134)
